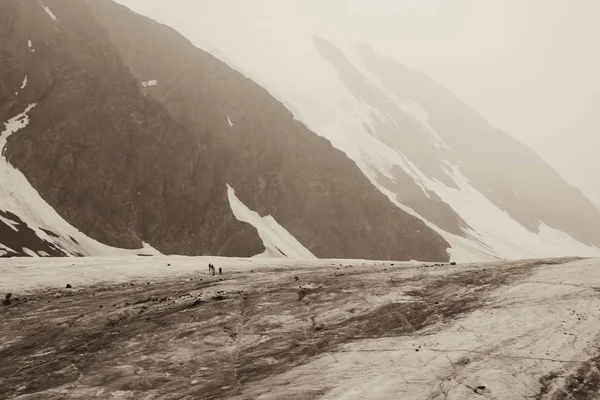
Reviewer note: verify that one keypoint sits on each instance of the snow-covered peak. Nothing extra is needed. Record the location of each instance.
(13, 125)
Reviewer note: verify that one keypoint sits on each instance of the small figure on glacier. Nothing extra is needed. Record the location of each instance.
(220, 271)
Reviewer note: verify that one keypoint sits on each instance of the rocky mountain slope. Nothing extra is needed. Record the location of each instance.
(132, 135)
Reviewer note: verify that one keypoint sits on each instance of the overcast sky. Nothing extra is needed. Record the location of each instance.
(529, 66)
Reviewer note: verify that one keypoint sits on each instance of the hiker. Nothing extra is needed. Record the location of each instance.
(209, 267)
(220, 271)
(213, 270)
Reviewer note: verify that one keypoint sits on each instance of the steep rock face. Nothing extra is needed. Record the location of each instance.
(137, 134)
(111, 161)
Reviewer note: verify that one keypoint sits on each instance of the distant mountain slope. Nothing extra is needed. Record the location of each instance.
(504, 192)
(489, 195)
(136, 135)
(508, 173)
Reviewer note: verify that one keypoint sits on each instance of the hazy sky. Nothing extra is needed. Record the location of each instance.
(529, 66)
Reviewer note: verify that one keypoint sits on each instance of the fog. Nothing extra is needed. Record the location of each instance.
(530, 67)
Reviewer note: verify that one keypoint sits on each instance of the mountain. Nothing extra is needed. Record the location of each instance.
(447, 157)
(120, 134)
(486, 193)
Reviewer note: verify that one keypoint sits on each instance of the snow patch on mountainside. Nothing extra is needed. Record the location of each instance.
(419, 114)
(49, 12)
(410, 107)
(3, 250)
(496, 235)
(499, 230)
(24, 83)
(21, 199)
(277, 240)
(150, 83)
(229, 120)
(462, 249)
(13, 225)
(14, 124)
(30, 46)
